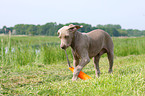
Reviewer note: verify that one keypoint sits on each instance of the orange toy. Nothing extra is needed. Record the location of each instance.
(81, 75)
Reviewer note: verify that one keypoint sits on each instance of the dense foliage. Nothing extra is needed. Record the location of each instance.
(50, 29)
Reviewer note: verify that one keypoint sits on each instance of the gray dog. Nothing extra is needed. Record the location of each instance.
(85, 46)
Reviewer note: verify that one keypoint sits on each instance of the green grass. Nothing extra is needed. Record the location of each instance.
(129, 46)
(55, 79)
(25, 72)
(28, 40)
(50, 52)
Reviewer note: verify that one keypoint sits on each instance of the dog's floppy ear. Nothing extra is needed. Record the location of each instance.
(74, 27)
(78, 27)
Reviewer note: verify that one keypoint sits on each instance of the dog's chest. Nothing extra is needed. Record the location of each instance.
(76, 53)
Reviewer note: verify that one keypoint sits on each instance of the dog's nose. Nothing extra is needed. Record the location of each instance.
(63, 47)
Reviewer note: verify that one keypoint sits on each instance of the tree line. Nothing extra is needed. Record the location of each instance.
(50, 29)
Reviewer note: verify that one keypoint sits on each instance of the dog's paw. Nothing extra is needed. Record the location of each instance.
(110, 71)
(74, 78)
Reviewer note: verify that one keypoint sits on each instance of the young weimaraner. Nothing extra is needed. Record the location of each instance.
(85, 46)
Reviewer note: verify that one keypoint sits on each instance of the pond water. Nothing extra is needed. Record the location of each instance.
(36, 47)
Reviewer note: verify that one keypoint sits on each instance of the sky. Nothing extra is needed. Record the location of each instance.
(130, 14)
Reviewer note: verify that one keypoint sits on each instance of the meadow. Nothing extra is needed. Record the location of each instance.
(35, 65)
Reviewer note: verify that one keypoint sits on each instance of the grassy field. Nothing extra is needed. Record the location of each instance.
(34, 66)
(28, 40)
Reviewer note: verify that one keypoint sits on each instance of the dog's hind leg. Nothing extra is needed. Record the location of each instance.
(96, 65)
(96, 61)
(110, 58)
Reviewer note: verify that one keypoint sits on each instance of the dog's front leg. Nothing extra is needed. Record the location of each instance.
(75, 62)
(77, 70)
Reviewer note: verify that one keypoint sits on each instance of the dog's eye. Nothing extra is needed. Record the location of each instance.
(66, 36)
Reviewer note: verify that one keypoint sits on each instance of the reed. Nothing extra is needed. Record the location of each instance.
(15, 51)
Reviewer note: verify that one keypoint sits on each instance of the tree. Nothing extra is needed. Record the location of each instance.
(122, 32)
(5, 30)
(51, 29)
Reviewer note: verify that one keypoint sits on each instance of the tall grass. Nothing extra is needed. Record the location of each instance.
(18, 52)
(129, 46)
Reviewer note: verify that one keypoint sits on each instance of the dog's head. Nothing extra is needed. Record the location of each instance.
(66, 35)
